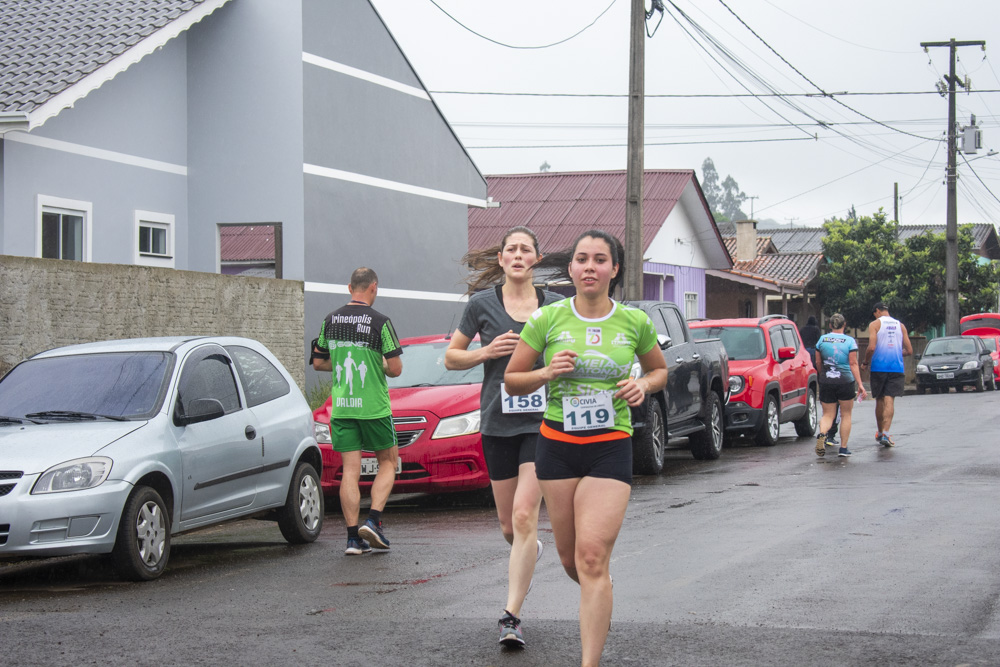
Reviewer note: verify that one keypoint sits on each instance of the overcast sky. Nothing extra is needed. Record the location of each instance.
(854, 46)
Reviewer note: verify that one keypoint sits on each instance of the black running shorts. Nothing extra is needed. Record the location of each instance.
(505, 454)
(886, 384)
(832, 393)
(611, 459)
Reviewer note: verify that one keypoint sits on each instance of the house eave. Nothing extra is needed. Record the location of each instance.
(79, 90)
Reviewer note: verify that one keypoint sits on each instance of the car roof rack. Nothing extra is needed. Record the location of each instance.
(696, 319)
(768, 318)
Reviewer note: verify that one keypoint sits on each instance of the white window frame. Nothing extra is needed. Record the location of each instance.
(690, 298)
(158, 221)
(50, 204)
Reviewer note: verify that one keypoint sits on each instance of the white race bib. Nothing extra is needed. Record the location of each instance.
(582, 413)
(533, 402)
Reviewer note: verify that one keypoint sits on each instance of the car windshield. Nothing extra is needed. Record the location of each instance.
(990, 343)
(114, 384)
(939, 346)
(423, 366)
(741, 343)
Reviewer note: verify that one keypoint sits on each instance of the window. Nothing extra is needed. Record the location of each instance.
(777, 341)
(690, 305)
(262, 382)
(63, 228)
(791, 337)
(208, 374)
(154, 239)
(674, 325)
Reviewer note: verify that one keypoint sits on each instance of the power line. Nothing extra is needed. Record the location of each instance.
(811, 82)
(964, 159)
(649, 143)
(514, 46)
(695, 95)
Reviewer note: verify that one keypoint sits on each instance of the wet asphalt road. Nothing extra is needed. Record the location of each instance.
(768, 556)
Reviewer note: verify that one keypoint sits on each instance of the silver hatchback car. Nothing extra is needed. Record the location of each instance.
(114, 447)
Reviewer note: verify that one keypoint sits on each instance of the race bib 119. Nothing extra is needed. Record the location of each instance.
(582, 413)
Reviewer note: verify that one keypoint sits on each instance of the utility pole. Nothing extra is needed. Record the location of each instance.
(636, 139)
(790, 221)
(895, 202)
(751, 205)
(951, 228)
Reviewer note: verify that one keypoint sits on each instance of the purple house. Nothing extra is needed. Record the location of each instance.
(681, 241)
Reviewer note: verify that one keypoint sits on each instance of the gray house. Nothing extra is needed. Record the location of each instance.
(134, 133)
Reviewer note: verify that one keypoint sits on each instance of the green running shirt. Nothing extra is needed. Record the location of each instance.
(357, 337)
(607, 348)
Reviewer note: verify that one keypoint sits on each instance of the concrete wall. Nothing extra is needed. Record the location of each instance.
(46, 303)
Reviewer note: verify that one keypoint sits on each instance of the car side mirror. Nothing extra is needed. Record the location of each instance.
(663, 340)
(200, 410)
(786, 353)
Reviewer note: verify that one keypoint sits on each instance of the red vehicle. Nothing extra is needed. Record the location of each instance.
(436, 413)
(771, 377)
(987, 327)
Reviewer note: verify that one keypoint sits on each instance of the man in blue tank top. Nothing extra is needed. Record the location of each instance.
(888, 343)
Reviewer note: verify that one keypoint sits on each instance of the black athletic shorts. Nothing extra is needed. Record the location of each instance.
(831, 393)
(886, 384)
(611, 459)
(505, 454)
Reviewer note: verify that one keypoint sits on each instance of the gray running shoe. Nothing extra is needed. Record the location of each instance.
(510, 631)
(356, 547)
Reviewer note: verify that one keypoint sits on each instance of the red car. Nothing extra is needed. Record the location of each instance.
(771, 377)
(436, 413)
(987, 327)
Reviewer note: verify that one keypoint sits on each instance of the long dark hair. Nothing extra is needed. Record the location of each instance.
(485, 270)
(560, 261)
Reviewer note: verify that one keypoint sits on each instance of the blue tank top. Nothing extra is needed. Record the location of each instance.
(888, 356)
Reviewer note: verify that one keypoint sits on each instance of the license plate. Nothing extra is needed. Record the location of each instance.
(945, 376)
(369, 466)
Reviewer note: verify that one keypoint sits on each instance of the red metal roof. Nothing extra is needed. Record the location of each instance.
(558, 207)
(246, 243)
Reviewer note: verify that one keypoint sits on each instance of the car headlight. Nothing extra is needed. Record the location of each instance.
(321, 432)
(922, 368)
(969, 365)
(74, 475)
(736, 384)
(457, 425)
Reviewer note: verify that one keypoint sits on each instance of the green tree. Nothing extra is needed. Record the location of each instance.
(710, 185)
(725, 200)
(866, 263)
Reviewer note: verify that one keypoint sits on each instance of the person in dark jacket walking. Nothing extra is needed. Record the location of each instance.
(810, 335)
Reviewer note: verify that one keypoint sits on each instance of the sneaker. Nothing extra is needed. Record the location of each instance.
(373, 533)
(885, 440)
(510, 630)
(821, 444)
(844, 451)
(356, 547)
(878, 437)
(832, 440)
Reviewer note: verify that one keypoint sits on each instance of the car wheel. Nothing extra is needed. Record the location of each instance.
(981, 381)
(301, 519)
(806, 425)
(767, 434)
(707, 445)
(142, 547)
(648, 447)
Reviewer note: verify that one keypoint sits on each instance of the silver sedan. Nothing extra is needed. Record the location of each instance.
(114, 447)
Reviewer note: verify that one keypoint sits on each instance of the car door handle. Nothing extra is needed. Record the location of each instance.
(250, 432)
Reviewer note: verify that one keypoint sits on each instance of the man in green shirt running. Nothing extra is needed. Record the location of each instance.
(354, 339)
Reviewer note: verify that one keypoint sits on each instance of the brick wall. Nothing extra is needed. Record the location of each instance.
(47, 303)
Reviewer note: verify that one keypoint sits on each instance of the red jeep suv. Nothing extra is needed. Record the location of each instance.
(771, 377)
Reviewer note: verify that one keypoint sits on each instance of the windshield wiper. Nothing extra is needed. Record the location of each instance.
(71, 415)
(15, 420)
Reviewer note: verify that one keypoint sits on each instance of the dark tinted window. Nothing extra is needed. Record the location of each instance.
(791, 338)
(674, 325)
(121, 384)
(741, 343)
(262, 382)
(209, 376)
(423, 366)
(777, 341)
(990, 343)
